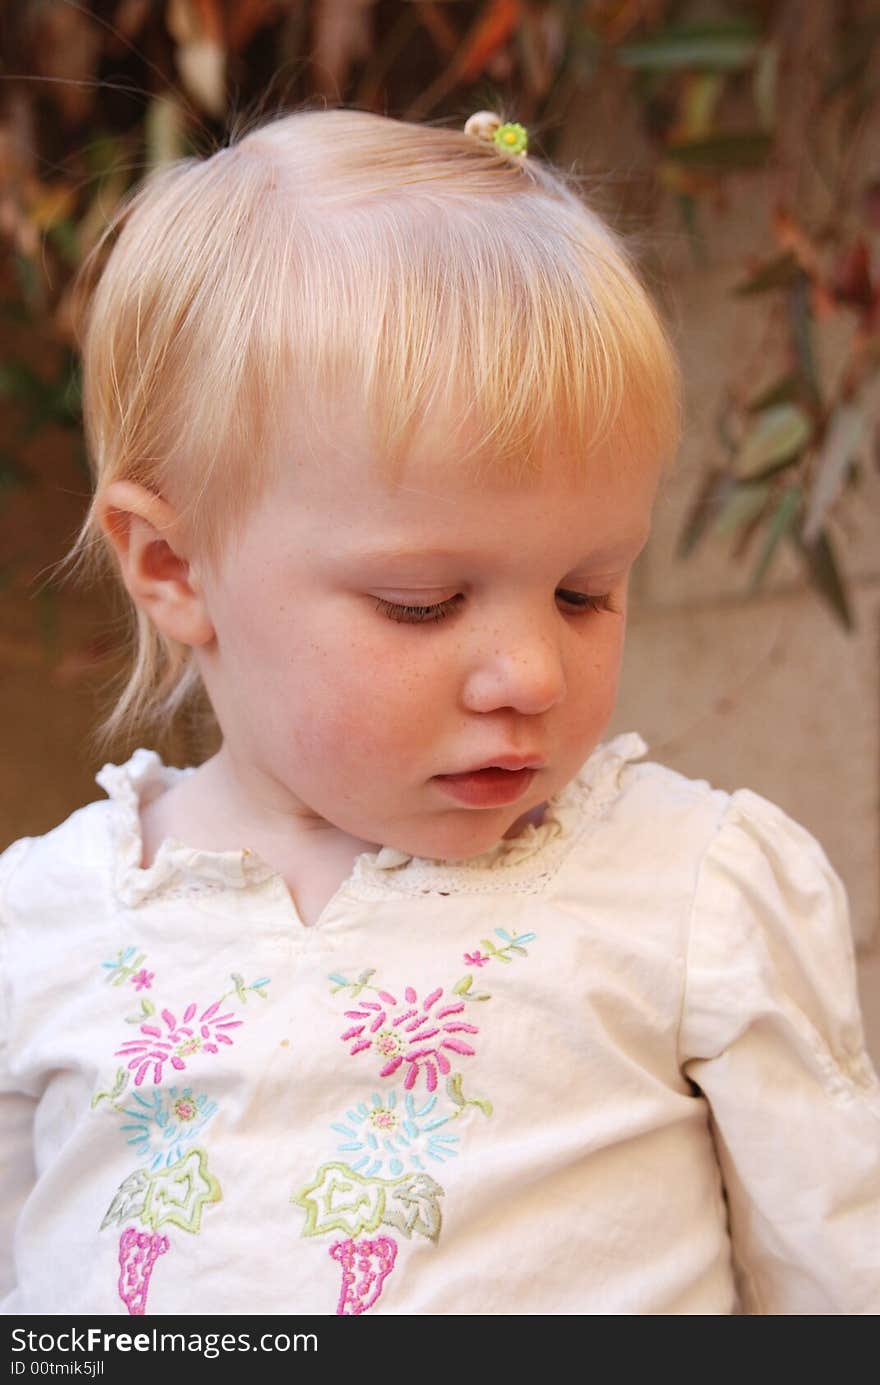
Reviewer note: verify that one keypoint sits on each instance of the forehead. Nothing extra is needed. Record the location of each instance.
(332, 496)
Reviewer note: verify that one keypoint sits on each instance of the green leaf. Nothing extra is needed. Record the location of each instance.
(779, 273)
(710, 500)
(748, 149)
(743, 504)
(825, 575)
(801, 320)
(778, 435)
(463, 985)
(784, 391)
(782, 523)
(764, 84)
(842, 438)
(724, 47)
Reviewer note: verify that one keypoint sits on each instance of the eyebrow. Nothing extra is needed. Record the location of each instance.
(391, 555)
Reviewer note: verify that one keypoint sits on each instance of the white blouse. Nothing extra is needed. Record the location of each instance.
(615, 1065)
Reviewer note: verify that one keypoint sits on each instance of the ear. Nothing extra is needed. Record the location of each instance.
(146, 535)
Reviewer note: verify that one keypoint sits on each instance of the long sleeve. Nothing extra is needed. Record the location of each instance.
(17, 1173)
(772, 1035)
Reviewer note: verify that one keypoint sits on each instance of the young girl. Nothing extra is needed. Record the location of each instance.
(416, 997)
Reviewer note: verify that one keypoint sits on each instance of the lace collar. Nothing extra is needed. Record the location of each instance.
(515, 861)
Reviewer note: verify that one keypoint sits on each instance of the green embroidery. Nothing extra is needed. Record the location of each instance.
(418, 1209)
(343, 1201)
(510, 945)
(147, 1009)
(354, 986)
(129, 1199)
(179, 1194)
(463, 988)
(176, 1195)
(241, 989)
(453, 1088)
(338, 1199)
(119, 1087)
(123, 967)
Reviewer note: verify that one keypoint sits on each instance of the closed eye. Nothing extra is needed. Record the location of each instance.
(419, 615)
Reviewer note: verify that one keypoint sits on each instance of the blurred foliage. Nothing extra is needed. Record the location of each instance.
(94, 95)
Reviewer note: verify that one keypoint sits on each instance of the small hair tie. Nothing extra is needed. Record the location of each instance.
(508, 136)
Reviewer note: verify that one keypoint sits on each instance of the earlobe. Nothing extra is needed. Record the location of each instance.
(146, 535)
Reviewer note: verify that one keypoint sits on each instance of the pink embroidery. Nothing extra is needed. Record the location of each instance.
(415, 1036)
(373, 1261)
(180, 1043)
(138, 1252)
(476, 959)
(143, 980)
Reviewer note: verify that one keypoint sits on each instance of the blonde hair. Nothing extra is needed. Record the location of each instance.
(336, 249)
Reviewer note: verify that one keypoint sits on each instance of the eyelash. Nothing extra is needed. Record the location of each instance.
(423, 615)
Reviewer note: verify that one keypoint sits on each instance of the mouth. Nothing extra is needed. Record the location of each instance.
(490, 787)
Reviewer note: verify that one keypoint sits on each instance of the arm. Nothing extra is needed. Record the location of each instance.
(772, 1035)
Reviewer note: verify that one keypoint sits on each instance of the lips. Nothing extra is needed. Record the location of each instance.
(511, 762)
(487, 787)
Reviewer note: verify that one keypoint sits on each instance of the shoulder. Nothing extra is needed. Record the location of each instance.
(656, 820)
(36, 869)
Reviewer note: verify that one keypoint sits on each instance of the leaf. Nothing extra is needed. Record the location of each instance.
(463, 985)
(779, 273)
(412, 1206)
(710, 499)
(743, 504)
(842, 439)
(453, 1088)
(783, 521)
(801, 320)
(338, 1199)
(699, 98)
(165, 126)
(784, 391)
(723, 47)
(778, 435)
(748, 149)
(764, 83)
(825, 576)
(129, 1199)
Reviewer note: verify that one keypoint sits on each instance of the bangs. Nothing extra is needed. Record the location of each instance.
(337, 255)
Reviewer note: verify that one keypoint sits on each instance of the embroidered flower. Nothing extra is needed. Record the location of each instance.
(416, 1036)
(143, 980)
(476, 959)
(181, 1042)
(389, 1136)
(165, 1123)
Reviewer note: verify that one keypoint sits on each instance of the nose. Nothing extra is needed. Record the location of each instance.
(517, 663)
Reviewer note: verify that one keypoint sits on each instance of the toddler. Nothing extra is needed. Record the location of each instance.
(417, 997)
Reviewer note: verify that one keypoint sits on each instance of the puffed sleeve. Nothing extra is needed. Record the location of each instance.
(772, 1036)
(17, 1173)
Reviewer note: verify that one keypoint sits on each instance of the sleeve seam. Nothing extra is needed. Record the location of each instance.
(689, 927)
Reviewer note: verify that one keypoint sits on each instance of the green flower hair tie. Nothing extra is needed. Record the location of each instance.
(512, 138)
(509, 137)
